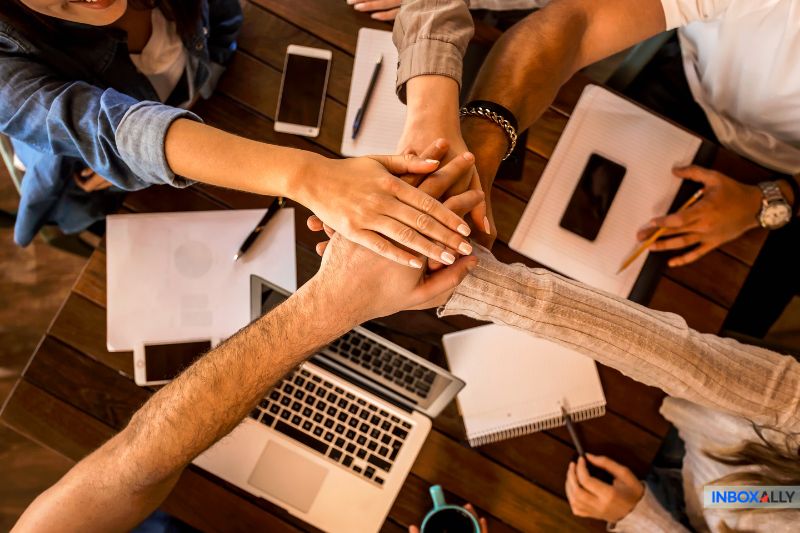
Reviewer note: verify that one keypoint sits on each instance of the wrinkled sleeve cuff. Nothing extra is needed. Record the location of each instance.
(648, 516)
(140, 140)
(428, 56)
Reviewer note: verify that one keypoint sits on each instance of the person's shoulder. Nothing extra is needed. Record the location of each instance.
(16, 27)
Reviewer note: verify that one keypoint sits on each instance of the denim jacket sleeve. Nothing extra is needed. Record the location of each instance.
(117, 136)
(225, 21)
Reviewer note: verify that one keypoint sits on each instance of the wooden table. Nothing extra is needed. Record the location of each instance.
(74, 394)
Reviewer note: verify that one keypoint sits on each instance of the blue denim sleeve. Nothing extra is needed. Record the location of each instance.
(117, 136)
(225, 21)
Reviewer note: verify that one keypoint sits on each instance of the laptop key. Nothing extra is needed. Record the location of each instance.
(255, 413)
(342, 403)
(296, 420)
(364, 428)
(307, 425)
(335, 454)
(384, 451)
(307, 412)
(375, 420)
(318, 418)
(386, 425)
(372, 445)
(361, 454)
(375, 433)
(332, 411)
(285, 401)
(318, 431)
(369, 472)
(328, 423)
(310, 400)
(274, 395)
(386, 439)
(342, 417)
(267, 420)
(301, 437)
(339, 429)
(296, 406)
(350, 434)
(348, 460)
(378, 480)
(339, 442)
(350, 448)
(399, 432)
(383, 464)
(285, 414)
(274, 408)
(299, 394)
(357, 469)
(361, 440)
(353, 422)
(328, 437)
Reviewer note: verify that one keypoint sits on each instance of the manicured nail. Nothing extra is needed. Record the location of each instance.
(486, 227)
(448, 258)
(415, 263)
(465, 248)
(463, 229)
(468, 156)
(432, 161)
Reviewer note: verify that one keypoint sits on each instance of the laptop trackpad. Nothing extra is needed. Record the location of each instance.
(288, 476)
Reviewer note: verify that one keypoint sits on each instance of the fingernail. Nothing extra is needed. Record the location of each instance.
(465, 248)
(415, 263)
(432, 161)
(468, 156)
(358, 7)
(448, 258)
(486, 227)
(463, 229)
(351, 2)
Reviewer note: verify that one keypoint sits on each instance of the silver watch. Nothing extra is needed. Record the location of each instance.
(775, 210)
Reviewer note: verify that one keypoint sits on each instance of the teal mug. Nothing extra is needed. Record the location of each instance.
(445, 518)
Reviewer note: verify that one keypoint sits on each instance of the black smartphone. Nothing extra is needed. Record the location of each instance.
(160, 363)
(592, 199)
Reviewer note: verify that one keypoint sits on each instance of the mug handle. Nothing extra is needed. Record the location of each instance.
(437, 495)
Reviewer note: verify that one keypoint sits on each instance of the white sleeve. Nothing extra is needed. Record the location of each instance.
(681, 12)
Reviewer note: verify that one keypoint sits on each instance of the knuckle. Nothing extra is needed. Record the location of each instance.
(424, 222)
(405, 235)
(427, 204)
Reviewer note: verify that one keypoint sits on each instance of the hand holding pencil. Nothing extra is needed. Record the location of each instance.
(658, 233)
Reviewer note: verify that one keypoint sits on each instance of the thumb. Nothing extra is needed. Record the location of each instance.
(620, 472)
(698, 174)
(406, 164)
(441, 282)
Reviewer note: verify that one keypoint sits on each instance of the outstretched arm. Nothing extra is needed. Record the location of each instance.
(119, 484)
(652, 347)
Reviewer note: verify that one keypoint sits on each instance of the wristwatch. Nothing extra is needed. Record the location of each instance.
(775, 210)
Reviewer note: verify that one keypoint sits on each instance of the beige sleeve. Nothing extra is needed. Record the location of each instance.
(652, 347)
(648, 517)
(431, 37)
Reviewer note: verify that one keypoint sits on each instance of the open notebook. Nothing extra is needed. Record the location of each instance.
(383, 123)
(516, 383)
(648, 146)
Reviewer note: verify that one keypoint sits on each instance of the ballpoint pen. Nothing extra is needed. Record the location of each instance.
(273, 208)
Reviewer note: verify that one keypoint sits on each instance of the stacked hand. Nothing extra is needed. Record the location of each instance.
(382, 9)
(363, 199)
(432, 185)
(726, 210)
(590, 497)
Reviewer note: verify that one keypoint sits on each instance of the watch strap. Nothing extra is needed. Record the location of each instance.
(791, 181)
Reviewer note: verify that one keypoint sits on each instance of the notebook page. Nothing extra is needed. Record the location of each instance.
(514, 378)
(383, 122)
(647, 146)
(171, 276)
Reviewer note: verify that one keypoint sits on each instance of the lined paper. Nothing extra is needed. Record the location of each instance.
(648, 146)
(382, 125)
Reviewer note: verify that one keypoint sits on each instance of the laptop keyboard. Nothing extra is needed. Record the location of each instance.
(350, 431)
(385, 362)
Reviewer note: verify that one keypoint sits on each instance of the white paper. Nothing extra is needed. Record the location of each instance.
(648, 146)
(382, 125)
(514, 378)
(171, 276)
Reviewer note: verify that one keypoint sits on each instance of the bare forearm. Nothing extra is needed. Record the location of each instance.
(209, 155)
(141, 464)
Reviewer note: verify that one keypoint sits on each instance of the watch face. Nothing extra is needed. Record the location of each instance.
(776, 215)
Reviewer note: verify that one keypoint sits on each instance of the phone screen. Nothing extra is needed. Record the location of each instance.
(270, 299)
(165, 361)
(303, 89)
(592, 199)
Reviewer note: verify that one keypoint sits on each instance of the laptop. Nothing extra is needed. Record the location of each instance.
(334, 441)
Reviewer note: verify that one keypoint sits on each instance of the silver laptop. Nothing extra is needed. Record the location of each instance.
(334, 441)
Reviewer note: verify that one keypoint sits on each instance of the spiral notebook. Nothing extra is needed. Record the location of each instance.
(516, 383)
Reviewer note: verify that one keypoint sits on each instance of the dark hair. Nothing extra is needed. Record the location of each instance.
(185, 14)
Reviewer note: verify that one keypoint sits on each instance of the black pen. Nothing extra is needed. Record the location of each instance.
(367, 97)
(276, 204)
(572, 433)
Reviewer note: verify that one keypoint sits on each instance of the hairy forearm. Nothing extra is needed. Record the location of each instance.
(209, 155)
(141, 464)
